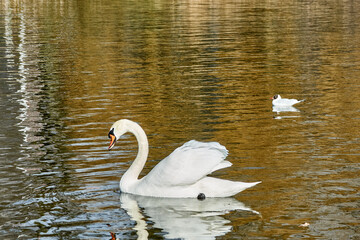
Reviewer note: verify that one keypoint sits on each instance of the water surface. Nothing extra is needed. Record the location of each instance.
(183, 70)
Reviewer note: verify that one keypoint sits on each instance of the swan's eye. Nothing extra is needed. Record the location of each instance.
(276, 96)
(111, 133)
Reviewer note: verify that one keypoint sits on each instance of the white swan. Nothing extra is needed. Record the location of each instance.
(183, 174)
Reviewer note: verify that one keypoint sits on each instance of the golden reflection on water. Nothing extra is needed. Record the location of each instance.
(205, 70)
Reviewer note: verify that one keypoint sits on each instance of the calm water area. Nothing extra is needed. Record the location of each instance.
(183, 70)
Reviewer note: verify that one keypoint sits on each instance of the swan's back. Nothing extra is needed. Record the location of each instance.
(188, 164)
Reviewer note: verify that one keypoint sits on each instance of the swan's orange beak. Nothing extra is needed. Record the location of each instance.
(112, 141)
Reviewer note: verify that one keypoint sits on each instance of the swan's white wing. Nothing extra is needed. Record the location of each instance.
(188, 164)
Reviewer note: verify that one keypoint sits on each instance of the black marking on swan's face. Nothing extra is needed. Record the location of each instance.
(275, 96)
(111, 132)
(201, 196)
(112, 136)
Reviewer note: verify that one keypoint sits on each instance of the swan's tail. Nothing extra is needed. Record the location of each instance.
(244, 185)
(237, 187)
(215, 187)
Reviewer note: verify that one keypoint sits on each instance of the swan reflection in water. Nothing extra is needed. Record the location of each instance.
(184, 218)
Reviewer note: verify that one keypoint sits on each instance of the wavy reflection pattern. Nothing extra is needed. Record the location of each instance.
(182, 218)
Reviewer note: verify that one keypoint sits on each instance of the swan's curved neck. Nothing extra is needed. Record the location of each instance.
(132, 174)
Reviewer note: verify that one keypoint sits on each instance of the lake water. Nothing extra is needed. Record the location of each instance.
(183, 70)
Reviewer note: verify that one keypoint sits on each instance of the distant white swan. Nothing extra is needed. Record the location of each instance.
(284, 102)
(183, 174)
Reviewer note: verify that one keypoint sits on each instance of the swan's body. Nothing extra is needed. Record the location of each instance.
(284, 102)
(183, 174)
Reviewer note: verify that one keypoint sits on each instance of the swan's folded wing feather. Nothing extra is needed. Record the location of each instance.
(223, 164)
(188, 164)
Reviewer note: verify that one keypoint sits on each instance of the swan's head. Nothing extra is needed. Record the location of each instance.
(116, 131)
(277, 96)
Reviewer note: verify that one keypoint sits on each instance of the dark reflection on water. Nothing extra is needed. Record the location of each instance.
(184, 70)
